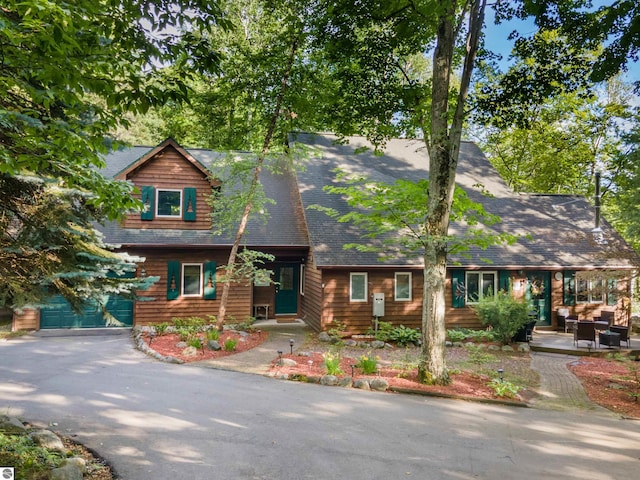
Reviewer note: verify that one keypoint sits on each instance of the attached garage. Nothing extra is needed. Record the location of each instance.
(59, 314)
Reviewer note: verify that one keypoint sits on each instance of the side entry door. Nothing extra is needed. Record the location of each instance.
(287, 278)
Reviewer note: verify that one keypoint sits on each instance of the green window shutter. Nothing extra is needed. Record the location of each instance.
(612, 291)
(458, 288)
(189, 205)
(569, 287)
(504, 280)
(148, 199)
(173, 279)
(210, 280)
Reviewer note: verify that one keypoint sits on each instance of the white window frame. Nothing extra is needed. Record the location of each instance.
(200, 282)
(302, 279)
(363, 275)
(158, 190)
(591, 285)
(470, 301)
(397, 297)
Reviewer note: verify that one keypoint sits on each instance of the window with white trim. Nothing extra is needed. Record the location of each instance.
(168, 203)
(403, 287)
(191, 279)
(589, 290)
(302, 279)
(480, 285)
(358, 287)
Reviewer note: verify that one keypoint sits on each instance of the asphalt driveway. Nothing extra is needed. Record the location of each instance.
(161, 421)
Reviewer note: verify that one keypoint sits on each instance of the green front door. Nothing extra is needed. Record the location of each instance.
(538, 296)
(287, 278)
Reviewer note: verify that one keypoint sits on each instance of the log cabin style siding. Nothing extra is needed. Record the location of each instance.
(311, 301)
(161, 309)
(298, 234)
(168, 170)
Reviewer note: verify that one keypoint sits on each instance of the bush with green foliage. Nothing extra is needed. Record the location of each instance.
(230, 345)
(462, 334)
(504, 314)
(368, 363)
(403, 336)
(29, 459)
(503, 388)
(383, 332)
(161, 328)
(195, 342)
(332, 363)
(212, 334)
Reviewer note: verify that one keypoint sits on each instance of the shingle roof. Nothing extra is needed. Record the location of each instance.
(284, 227)
(559, 225)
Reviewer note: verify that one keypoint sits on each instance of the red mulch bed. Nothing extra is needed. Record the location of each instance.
(166, 345)
(610, 383)
(463, 384)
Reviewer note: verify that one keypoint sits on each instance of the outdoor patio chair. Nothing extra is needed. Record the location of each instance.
(584, 331)
(570, 323)
(561, 317)
(606, 316)
(623, 331)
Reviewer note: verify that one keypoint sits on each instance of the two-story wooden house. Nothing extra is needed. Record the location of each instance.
(557, 262)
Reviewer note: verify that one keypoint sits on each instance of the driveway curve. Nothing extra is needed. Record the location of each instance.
(159, 421)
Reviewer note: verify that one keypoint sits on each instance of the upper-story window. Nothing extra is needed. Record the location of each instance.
(169, 203)
(172, 203)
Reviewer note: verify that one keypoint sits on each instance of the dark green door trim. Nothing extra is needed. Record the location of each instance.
(287, 277)
(538, 295)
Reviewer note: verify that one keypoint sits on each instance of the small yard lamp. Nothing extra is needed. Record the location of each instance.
(291, 342)
(501, 374)
(280, 357)
(353, 366)
(152, 335)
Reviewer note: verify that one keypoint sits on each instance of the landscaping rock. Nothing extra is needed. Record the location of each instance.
(507, 348)
(330, 380)
(457, 344)
(48, 439)
(11, 425)
(494, 348)
(67, 471)
(190, 352)
(350, 343)
(469, 344)
(346, 382)
(214, 345)
(289, 362)
(448, 344)
(524, 347)
(79, 462)
(181, 345)
(377, 344)
(324, 337)
(364, 345)
(362, 384)
(379, 384)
